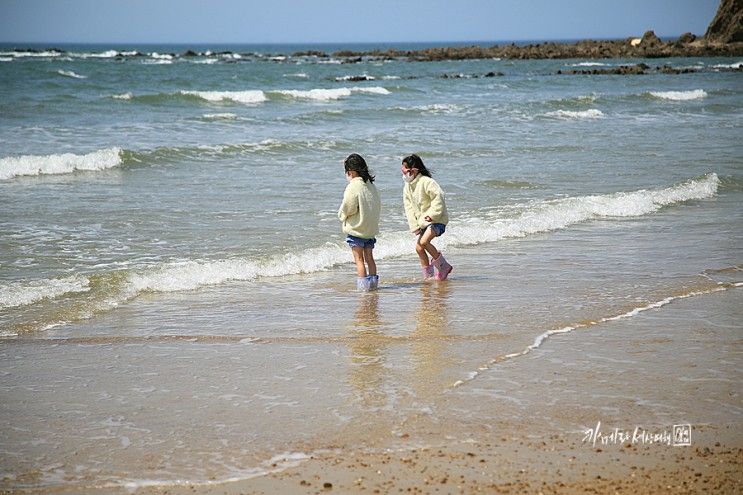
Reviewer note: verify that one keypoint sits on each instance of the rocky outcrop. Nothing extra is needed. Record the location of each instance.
(686, 38)
(641, 69)
(624, 70)
(727, 26)
(649, 46)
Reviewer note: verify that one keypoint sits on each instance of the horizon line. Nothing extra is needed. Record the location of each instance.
(280, 43)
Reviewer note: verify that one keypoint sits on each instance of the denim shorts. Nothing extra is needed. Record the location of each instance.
(354, 241)
(438, 229)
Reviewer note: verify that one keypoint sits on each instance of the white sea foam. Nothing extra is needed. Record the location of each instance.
(69, 73)
(298, 75)
(157, 62)
(375, 90)
(219, 116)
(679, 95)
(6, 59)
(546, 216)
(433, 108)
(192, 275)
(207, 61)
(390, 78)
(58, 164)
(736, 65)
(162, 56)
(124, 96)
(106, 54)
(590, 64)
(16, 294)
(249, 97)
(44, 54)
(592, 113)
(330, 94)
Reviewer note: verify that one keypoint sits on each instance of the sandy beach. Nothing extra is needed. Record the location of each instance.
(590, 411)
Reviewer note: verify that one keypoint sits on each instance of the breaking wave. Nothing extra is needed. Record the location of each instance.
(69, 73)
(589, 114)
(104, 291)
(250, 97)
(253, 96)
(59, 164)
(679, 95)
(104, 159)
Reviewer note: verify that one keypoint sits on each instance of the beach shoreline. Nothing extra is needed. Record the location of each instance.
(591, 411)
(629, 452)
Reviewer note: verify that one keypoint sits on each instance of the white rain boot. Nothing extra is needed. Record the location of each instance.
(362, 284)
(427, 272)
(373, 282)
(443, 268)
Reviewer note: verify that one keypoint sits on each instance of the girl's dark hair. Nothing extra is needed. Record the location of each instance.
(357, 164)
(414, 161)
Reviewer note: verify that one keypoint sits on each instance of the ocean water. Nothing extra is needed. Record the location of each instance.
(177, 304)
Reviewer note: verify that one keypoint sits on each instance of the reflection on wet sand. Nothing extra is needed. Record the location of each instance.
(367, 370)
(429, 348)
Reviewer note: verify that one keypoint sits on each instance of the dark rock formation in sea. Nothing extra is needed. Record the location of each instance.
(649, 46)
(724, 38)
(727, 26)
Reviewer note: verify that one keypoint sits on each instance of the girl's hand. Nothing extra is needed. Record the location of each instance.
(417, 232)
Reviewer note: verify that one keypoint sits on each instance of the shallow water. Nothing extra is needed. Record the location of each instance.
(176, 299)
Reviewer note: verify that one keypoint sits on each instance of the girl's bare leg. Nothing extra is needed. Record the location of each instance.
(358, 258)
(369, 258)
(424, 246)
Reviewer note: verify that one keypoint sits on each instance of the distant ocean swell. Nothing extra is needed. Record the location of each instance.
(253, 96)
(104, 291)
(256, 96)
(108, 158)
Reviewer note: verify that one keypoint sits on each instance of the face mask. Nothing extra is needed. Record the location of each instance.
(407, 177)
(349, 178)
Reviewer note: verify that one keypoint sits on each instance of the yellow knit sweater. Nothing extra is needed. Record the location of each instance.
(359, 212)
(423, 198)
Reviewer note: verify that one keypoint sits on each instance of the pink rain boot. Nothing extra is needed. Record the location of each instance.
(427, 272)
(443, 268)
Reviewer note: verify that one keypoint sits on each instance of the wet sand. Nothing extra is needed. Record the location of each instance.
(529, 425)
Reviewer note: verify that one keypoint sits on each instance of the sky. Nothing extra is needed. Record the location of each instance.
(344, 21)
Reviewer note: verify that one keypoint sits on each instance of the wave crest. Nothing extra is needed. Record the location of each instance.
(17, 294)
(249, 97)
(69, 73)
(547, 216)
(59, 164)
(589, 114)
(329, 94)
(679, 95)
